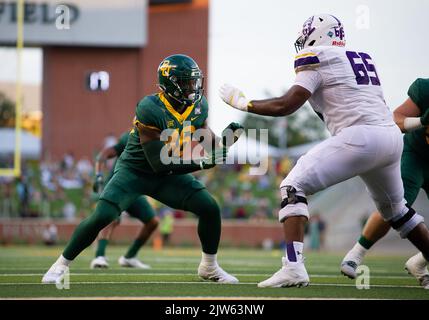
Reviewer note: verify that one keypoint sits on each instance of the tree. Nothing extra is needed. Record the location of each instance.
(303, 126)
(7, 111)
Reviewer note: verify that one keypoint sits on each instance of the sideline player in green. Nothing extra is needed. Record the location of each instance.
(412, 117)
(140, 209)
(152, 165)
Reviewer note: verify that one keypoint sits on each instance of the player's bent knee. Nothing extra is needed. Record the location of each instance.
(294, 203)
(106, 212)
(407, 222)
(202, 203)
(153, 223)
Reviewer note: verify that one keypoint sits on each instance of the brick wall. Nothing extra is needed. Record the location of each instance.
(234, 233)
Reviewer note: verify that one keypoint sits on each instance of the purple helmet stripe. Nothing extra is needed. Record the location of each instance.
(339, 22)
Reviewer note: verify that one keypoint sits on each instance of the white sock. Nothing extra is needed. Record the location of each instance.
(63, 261)
(359, 250)
(209, 259)
(294, 251)
(421, 260)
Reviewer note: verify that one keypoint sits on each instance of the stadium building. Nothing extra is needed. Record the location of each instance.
(94, 73)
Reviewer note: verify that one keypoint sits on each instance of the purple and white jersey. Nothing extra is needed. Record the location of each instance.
(345, 87)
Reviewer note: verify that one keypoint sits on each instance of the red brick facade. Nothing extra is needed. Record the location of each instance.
(75, 119)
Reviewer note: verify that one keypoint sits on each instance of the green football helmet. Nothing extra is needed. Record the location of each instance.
(181, 79)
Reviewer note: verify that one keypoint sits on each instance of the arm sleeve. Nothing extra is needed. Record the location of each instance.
(152, 151)
(122, 143)
(418, 92)
(204, 108)
(309, 79)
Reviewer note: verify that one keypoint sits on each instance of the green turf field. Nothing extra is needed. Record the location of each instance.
(173, 274)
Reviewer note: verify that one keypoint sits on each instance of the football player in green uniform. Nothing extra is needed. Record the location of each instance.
(412, 117)
(140, 209)
(152, 164)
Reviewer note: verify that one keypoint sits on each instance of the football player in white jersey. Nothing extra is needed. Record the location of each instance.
(343, 87)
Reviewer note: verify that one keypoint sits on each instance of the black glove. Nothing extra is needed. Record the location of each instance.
(235, 129)
(98, 183)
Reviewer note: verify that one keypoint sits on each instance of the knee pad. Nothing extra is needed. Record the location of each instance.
(406, 223)
(293, 204)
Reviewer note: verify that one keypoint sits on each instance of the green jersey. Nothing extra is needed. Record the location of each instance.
(119, 148)
(155, 112)
(418, 140)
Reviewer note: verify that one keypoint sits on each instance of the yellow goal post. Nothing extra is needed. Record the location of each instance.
(16, 169)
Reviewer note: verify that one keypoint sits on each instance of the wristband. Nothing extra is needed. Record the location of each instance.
(411, 124)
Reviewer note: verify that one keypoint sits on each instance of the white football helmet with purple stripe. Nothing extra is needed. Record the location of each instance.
(321, 30)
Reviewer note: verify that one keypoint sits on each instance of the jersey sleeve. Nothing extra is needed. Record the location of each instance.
(419, 93)
(149, 115)
(309, 79)
(122, 143)
(204, 105)
(307, 59)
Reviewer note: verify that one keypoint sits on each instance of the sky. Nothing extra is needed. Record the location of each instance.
(251, 46)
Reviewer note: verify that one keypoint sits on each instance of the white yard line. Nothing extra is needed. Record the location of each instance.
(188, 298)
(143, 273)
(199, 283)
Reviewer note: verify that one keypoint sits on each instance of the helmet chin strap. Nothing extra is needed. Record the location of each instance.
(181, 103)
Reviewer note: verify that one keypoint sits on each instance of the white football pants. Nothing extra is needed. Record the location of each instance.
(371, 152)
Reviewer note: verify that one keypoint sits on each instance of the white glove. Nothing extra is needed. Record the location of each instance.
(234, 97)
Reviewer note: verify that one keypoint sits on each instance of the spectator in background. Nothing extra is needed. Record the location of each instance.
(6, 195)
(240, 213)
(23, 189)
(84, 168)
(68, 161)
(110, 140)
(322, 230)
(226, 209)
(50, 235)
(316, 231)
(69, 210)
(262, 211)
(166, 225)
(264, 182)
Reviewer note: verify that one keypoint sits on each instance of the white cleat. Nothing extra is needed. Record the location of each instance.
(417, 267)
(99, 262)
(292, 274)
(348, 268)
(350, 264)
(133, 263)
(55, 274)
(216, 274)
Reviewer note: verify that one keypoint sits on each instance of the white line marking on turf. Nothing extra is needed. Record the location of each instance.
(202, 283)
(188, 298)
(188, 274)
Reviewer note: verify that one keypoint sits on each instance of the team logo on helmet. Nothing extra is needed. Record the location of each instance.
(307, 28)
(165, 68)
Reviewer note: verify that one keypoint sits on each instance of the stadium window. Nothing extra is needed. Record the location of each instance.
(98, 81)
